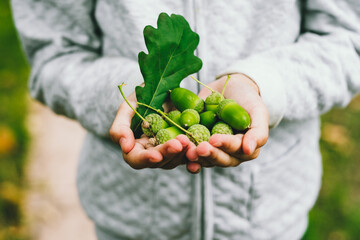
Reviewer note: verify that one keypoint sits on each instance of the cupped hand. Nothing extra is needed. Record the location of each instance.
(139, 153)
(232, 150)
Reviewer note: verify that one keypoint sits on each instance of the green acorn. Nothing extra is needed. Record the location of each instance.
(189, 117)
(208, 119)
(154, 122)
(199, 132)
(221, 128)
(183, 98)
(233, 114)
(175, 116)
(164, 135)
(213, 100)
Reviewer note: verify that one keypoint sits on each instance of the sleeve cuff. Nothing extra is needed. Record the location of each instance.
(269, 82)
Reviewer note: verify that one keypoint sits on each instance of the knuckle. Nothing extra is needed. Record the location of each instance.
(113, 136)
(229, 145)
(261, 141)
(214, 156)
(206, 163)
(226, 163)
(238, 162)
(112, 132)
(256, 154)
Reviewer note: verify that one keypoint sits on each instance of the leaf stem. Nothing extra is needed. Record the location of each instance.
(212, 90)
(170, 120)
(226, 82)
(123, 95)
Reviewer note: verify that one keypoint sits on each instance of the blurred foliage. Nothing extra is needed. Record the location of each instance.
(336, 214)
(13, 135)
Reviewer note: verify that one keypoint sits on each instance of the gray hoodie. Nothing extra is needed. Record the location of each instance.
(304, 56)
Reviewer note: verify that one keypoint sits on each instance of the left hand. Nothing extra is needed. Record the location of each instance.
(138, 153)
(232, 150)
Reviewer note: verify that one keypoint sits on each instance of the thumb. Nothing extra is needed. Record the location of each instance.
(258, 133)
(204, 93)
(120, 131)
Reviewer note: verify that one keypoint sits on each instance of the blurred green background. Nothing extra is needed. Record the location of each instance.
(335, 216)
(13, 134)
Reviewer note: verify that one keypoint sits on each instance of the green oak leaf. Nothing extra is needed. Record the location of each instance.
(170, 59)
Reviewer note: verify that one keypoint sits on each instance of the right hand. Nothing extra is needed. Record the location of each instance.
(232, 150)
(138, 153)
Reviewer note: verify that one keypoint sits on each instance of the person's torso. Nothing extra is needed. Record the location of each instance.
(220, 203)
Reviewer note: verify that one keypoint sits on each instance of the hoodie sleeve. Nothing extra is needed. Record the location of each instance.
(319, 71)
(69, 74)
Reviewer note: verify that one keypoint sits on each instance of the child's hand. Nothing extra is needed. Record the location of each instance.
(138, 153)
(231, 150)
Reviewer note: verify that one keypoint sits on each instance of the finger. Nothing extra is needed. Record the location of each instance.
(123, 118)
(173, 163)
(144, 141)
(228, 143)
(120, 131)
(193, 167)
(177, 158)
(205, 163)
(258, 133)
(125, 138)
(216, 156)
(191, 153)
(169, 150)
(139, 157)
(231, 144)
(185, 141)
(245, 157)
(204, 93)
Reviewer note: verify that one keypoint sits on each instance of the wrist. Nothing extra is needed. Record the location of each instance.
(238, 78)
(247, 79)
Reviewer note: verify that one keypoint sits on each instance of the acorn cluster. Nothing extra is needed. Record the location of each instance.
(196, 118)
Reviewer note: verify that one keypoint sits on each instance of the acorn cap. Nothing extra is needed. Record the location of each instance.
(174, 116)
(162, 136)
(200, 105)
(222, 105)
(221, 128)
(156, 123)
(173, 113)
(214, 98)
(199, 132)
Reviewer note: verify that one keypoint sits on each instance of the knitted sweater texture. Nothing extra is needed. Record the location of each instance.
(304, 56)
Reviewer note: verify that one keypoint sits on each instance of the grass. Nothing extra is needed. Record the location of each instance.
(13, 134)
(336, 214)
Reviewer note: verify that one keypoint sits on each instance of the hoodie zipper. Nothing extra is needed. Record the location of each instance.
(202, 201)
